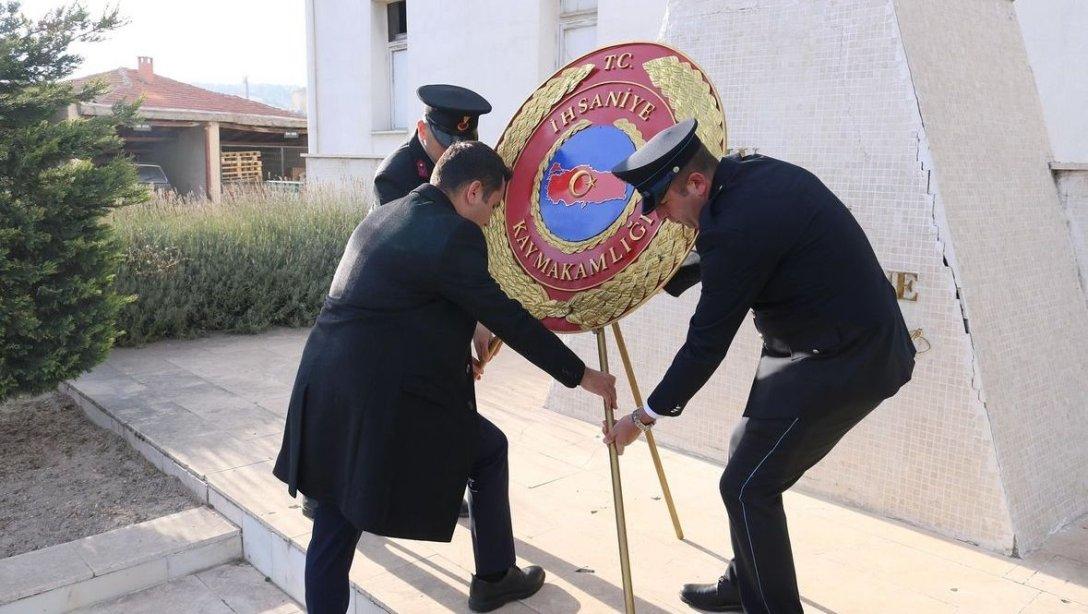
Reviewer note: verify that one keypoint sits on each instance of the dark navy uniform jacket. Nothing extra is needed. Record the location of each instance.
(774, 240)
(402, 171)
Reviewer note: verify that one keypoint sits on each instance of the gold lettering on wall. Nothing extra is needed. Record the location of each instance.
(904, 284)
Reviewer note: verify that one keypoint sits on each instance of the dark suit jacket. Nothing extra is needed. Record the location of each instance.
(774, 240)
(402, 171)
(382, 419)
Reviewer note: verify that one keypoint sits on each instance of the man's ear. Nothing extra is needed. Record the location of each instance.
(701, 183)
(476, 189)
(421, 130)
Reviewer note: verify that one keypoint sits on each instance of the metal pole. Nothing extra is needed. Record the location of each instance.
(649, 436)
(617, 488)
(493, 348)
(614, 461)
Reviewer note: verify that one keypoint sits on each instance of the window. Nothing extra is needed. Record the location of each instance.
(577, 29)
(397, 19)
(399, 90)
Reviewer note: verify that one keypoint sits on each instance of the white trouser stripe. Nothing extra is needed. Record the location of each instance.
(744, 512)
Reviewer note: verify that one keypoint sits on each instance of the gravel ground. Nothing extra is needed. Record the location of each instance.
(63, 478)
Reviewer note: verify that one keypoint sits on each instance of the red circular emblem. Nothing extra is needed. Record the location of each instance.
(570, 225)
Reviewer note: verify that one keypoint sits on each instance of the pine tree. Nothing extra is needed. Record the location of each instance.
(58, 181)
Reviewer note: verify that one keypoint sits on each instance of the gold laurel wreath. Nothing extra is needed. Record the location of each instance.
(689, 95)
(573, 247)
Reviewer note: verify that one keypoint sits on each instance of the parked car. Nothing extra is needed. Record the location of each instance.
(153, 177)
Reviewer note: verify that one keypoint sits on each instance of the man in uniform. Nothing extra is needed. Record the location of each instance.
(775, 240)
(382, 427)
(452, 114)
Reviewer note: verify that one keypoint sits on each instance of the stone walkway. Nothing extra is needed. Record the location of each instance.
(211, 411)
(234, 588)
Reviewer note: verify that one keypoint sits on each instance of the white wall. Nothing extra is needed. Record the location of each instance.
(503, 49)
(1056, 36)
(340, 81)
(1017, 269)
(621, 21)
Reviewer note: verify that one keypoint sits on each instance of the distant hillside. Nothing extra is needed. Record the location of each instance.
(282, 96)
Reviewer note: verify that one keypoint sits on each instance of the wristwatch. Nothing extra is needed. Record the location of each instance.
(645, 428)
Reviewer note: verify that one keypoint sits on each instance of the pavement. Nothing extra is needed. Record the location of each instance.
(215, 407)
(233, 588)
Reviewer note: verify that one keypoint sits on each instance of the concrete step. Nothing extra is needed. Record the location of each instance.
(233, 588)
(101, 567)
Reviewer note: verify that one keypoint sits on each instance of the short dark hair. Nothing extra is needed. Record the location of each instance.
(470, 161)
(702, 161)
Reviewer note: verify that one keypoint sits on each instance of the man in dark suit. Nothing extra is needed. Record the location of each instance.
(451, 114)
(382, 427)
(772, 239)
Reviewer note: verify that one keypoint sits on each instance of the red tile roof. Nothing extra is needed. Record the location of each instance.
(161, 92)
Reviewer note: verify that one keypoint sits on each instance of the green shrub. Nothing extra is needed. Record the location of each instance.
(57, 181)
(257, 259)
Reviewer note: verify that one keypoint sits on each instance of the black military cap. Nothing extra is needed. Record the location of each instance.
(452, 112)
(654, 165)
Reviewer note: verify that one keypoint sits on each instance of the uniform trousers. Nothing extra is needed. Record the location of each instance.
(766, 457)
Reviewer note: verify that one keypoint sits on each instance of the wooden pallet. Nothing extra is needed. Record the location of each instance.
(240, 165)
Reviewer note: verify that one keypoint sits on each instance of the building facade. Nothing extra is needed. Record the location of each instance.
(954, 132)
(361, 94)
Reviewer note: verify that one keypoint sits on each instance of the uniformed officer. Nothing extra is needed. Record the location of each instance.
(772, 239)
(452, 114)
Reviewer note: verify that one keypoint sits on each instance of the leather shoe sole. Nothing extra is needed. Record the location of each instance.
(712, 608)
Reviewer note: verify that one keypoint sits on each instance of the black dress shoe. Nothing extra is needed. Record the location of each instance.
(720, 596)
(464, 509)
(516, 584)
(309, 506)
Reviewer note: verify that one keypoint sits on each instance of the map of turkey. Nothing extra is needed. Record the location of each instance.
(583, 185)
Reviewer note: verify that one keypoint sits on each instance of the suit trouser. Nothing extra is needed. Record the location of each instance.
(767, 456)
(333, 541)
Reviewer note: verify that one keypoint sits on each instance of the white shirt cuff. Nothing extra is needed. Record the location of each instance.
(650, 412)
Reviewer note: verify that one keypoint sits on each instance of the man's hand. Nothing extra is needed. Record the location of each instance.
(622, 433)
(480, 340)
(601, 384)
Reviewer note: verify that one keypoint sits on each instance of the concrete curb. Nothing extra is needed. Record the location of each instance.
(101, 567)
(265, 546)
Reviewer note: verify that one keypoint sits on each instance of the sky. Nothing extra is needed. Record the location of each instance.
(205, 41)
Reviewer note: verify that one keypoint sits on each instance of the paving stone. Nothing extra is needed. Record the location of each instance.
(183, 596)
(41, 570)
(1063, 576)
(128, 546)
(1045, 603)
(244, 421)
(246, 591)
(172, 421)
(212, 452)
(120, 582)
